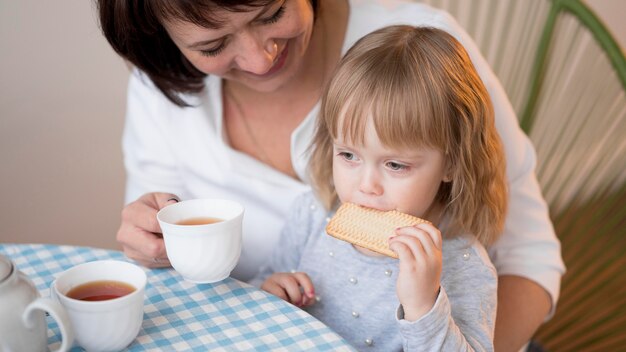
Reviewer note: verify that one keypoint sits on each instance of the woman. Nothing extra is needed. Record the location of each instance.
(223, 103)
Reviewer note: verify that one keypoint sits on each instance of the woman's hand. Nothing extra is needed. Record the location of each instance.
(140, 233)
(419, 250)
(295, 288)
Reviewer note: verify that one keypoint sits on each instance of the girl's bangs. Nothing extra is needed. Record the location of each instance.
(401, 116)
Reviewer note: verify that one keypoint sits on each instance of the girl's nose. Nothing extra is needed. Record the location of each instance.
(257, 57)
(370, 183)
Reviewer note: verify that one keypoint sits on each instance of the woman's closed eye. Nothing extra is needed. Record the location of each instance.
(215, 50)
(275, 17)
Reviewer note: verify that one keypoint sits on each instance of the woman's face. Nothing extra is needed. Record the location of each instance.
(262, 49)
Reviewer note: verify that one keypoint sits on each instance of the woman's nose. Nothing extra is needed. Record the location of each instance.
(258, 57)
(370, 183)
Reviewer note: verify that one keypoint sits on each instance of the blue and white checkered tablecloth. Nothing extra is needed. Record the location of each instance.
(179, 316)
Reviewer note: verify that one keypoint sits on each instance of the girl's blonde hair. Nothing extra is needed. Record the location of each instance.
(420, 89)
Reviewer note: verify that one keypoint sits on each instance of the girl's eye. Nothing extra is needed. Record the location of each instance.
(347, 156)
(396, 166)
(213, 51)
(275, 17)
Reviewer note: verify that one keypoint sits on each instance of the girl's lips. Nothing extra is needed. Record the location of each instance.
(375, 207)
(278, 64)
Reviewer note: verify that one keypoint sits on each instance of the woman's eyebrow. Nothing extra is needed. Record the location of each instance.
(203, 43)
(262, 12)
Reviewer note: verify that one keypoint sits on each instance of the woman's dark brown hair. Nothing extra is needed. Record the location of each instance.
(135, 31)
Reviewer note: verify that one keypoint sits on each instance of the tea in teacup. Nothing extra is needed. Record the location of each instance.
(104, 300)
(199, 221)
(100, 290)
(208, 251)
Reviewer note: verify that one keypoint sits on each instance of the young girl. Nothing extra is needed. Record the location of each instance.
(405, 124)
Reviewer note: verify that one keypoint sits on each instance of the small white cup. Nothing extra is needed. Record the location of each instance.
(108, 325)
(204, 253)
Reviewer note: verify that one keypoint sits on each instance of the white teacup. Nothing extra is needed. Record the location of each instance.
(205, 252)
(103, 325)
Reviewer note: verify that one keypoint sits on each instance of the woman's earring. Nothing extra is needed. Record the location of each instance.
(271, 48)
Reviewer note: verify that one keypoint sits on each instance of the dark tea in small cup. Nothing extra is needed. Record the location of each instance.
(100, 290)
(104, 300)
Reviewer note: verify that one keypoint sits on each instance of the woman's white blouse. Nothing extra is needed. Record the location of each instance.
(186, 152)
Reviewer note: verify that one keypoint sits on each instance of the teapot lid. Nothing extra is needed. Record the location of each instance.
(6, 268)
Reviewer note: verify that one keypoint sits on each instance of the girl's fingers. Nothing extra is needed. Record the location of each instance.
(290, 284)
(429, 238)
(413, 243)
(306, 285)
(433, 232)
(295, 288)
(274, 288)
(404, 252)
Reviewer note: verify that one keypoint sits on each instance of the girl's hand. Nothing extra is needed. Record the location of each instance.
(419, 250)
(295, 288)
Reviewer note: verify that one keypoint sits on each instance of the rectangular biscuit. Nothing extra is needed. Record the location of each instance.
(368, 228)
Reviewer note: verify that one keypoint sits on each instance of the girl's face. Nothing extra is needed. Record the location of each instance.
(262, 49)
(375, 176)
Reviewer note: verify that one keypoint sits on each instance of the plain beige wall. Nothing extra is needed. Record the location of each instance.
(62, 101)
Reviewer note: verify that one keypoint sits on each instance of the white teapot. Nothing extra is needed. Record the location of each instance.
(22, 319)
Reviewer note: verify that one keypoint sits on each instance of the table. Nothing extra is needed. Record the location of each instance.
(226, 316)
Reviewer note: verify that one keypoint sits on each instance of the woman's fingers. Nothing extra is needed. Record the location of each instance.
(142, 212)
(150, 262)
(142, 246)
(140, 233)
